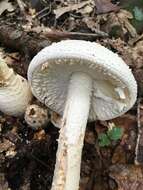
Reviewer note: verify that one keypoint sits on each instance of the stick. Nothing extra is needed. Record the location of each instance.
(56, 35)
(139, 144)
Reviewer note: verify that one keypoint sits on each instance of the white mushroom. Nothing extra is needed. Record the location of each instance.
(36, 116)
(15, 93)
(79, 80)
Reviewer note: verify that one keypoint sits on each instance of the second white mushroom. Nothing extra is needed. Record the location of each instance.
(15, 93)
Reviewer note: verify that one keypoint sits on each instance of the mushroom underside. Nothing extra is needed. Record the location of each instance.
(50, 85)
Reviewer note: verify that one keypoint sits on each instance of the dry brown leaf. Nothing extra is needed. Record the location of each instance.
(39, 135)
(87, 9)
(6, 5)
(128, 177)
(119, 155)
(124, 17)
(5, 145)
(137, 53)
(121, 23)
(128, 141)
(105, 6)
(126, 121)
(71, 7)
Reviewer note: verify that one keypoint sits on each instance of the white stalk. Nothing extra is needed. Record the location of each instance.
(67, 169)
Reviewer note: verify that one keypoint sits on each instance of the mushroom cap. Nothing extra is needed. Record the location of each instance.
(114, 87)
(36, 116)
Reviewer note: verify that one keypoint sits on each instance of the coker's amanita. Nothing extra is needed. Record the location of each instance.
(15, 93)
(79, 80)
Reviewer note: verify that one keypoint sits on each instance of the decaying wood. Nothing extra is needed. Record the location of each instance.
(14, 37)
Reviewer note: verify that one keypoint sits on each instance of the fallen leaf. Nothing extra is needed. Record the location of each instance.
(93, 25)
(6, 5)
(5, 145)
(105, 6)
(128, 177)
(124, 17)
(137, 54)
(40, 135)
(71, 7)
(136, 7)
(128, 123)
(86, 10)
(118, 24)
(119, 155)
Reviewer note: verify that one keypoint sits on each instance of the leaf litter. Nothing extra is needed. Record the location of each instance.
(102, 167)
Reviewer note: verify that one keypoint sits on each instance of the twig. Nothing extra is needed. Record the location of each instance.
(74, 35)
(41, 14)
(139, 144)
(44, 15)
(56, 35)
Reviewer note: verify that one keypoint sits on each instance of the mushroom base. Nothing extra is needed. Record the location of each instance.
(67, 169)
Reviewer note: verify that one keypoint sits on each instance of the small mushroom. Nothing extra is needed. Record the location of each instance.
(79, 80)
(36, 116)
(15, 93)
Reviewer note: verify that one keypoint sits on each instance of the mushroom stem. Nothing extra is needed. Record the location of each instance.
(67, 169)
(5, 73)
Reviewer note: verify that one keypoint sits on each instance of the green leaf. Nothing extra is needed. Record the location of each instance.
(103, 140)
(138, 13)
(115, 133)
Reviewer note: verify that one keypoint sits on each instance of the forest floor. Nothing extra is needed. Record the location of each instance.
(27, 156)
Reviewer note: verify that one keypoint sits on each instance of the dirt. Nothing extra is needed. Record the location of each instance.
(27, 156)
